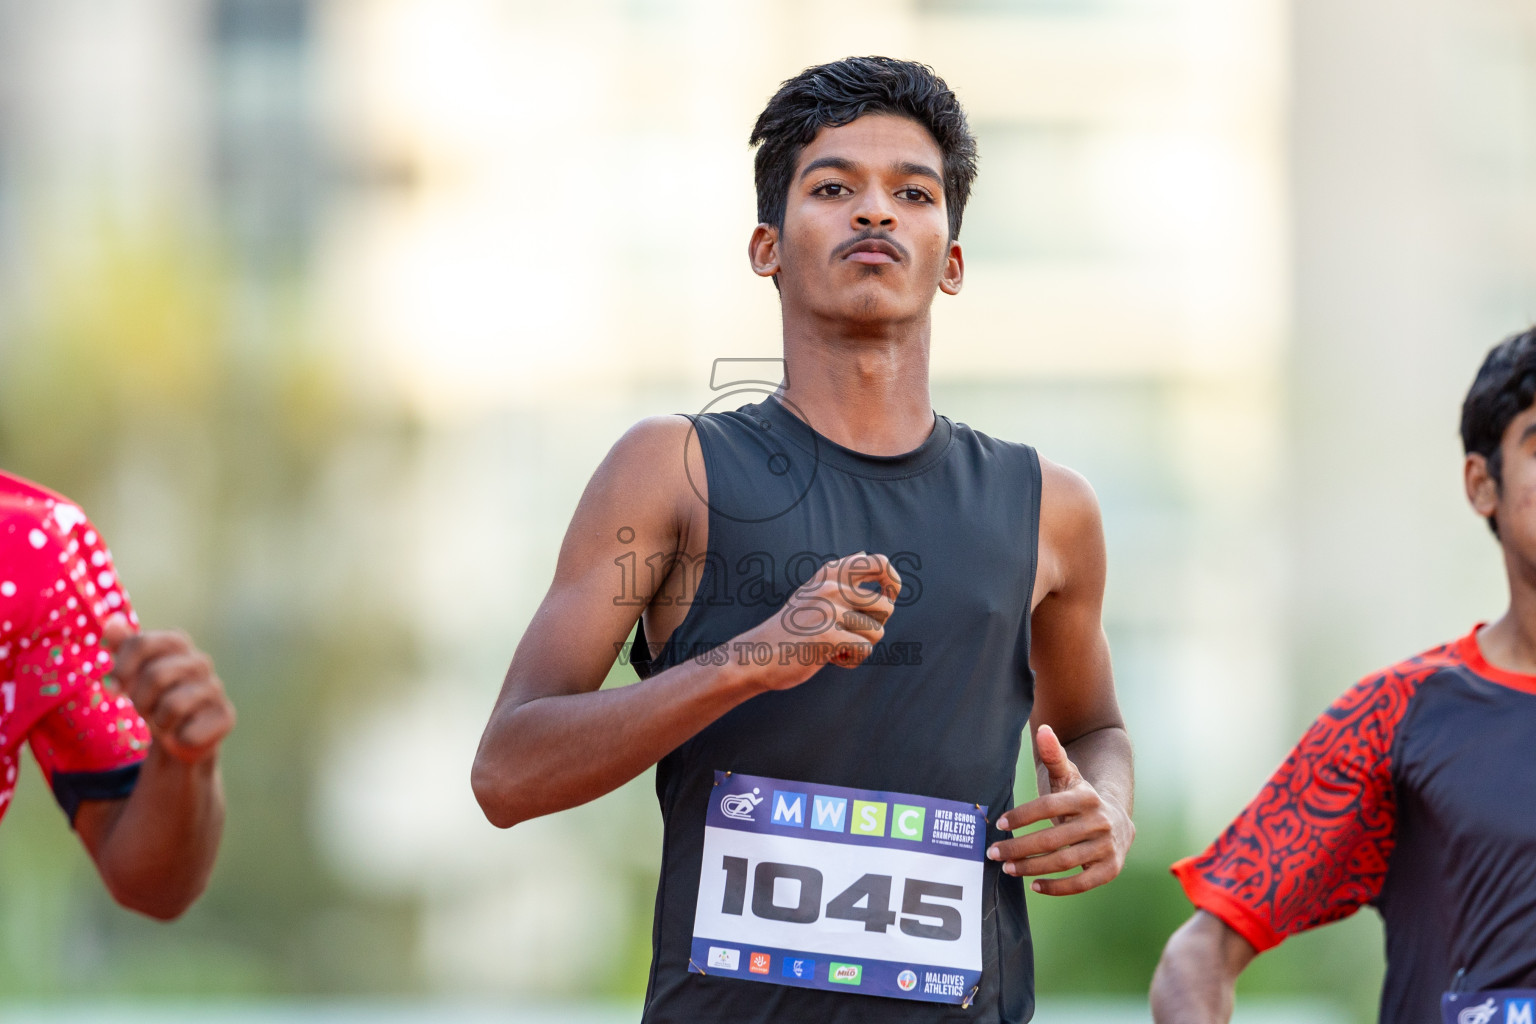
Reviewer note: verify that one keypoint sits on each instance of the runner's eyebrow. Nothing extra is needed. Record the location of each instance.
(835, 162)
(909, 170)
(905, 168)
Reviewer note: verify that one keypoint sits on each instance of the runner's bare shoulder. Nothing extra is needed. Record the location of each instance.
(656, 456)
(1066, 496)
(1071, 528)
(646, 481)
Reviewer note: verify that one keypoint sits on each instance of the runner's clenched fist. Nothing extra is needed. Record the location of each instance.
(835, 618)
(174, 688)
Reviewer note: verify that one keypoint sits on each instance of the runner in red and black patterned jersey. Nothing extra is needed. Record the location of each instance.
(144, 797)
(1414, 792)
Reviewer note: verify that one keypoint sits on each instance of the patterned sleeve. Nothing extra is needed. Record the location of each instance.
(1313, 846)
(87, 740)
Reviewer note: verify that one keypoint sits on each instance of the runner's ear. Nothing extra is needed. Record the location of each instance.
(1482, 488)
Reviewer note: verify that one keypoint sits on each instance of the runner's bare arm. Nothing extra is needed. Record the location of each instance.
(555, 739)
(1082, 749)
(155, 848)
(1196, 980)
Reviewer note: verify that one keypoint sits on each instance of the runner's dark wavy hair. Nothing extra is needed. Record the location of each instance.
(1505, 387)
(831, 95)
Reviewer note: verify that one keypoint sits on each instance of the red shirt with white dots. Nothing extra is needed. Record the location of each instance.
(57, 587)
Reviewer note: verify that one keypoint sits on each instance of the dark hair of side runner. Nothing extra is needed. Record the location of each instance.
(1505, 387)
(831, 95)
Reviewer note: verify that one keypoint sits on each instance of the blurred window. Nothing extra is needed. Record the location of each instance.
(269, 21)
(1035, 197)
(266, 167)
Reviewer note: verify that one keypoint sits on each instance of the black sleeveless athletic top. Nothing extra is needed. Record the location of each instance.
(937, 710)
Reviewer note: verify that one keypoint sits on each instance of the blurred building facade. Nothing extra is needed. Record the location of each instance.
(1235, 260)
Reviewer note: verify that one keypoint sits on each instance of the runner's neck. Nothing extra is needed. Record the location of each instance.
(874, 401)
(1508, 645)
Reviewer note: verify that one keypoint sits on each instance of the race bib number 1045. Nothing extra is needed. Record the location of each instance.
(848, 890)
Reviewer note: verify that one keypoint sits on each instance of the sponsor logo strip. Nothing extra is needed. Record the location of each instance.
(856, 817)
(800, 969)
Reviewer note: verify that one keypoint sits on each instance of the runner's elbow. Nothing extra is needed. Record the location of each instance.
(163, 898)
(1196, 977)
(1191, 951)
(1166, 993)
(496, 793)
(156, 908)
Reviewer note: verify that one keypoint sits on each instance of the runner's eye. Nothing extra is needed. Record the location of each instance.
(914, 194)
(831, 188)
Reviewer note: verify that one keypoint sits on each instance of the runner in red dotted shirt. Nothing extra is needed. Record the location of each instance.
(144, 797)
(1415, 792)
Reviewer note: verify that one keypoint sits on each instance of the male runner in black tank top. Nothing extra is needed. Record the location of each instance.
(1414, 792)
(838, 844)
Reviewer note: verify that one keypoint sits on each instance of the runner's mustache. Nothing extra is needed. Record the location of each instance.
(870, 236)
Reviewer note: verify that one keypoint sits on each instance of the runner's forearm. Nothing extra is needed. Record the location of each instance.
(158, 845)
(1196, 979)
(556, 752)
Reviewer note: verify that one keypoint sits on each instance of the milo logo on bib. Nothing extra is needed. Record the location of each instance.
(849, 889)
(845, 974)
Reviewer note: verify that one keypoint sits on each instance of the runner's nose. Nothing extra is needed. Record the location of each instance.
(874, 211)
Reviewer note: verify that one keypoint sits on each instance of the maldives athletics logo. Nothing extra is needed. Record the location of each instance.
(906, 981)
